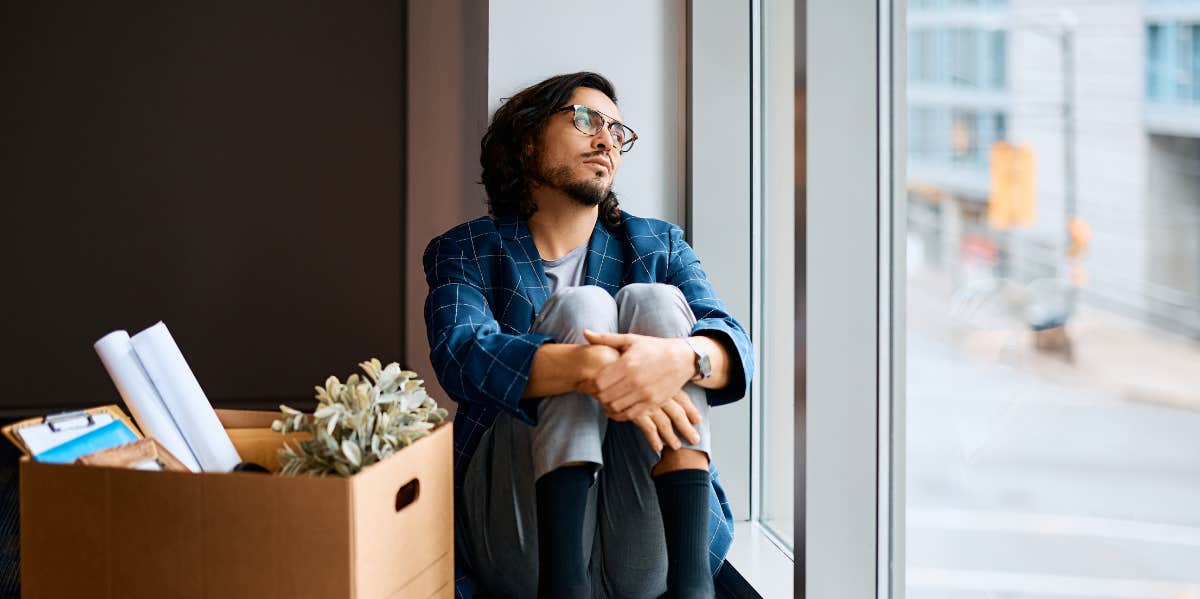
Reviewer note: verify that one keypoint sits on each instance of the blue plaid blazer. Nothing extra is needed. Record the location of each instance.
(486, 285)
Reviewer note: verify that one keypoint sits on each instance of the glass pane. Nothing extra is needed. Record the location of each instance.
(1053, 296)
(1196, 64)
(775, 380)
(1154, 61)
(999, 59)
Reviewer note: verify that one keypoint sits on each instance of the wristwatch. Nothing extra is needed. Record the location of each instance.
(703, 364)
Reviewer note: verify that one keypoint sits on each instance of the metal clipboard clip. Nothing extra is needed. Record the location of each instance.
(65, 421)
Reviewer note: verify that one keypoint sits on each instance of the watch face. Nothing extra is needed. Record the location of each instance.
(703, 364)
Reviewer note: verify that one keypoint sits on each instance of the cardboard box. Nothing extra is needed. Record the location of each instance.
(386, 532)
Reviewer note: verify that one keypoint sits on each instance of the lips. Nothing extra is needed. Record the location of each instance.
(597, 160)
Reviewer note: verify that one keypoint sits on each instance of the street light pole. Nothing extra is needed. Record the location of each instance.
(1065, 33)
(1067, 42)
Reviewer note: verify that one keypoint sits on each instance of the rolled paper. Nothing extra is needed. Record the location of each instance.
(185, 399)
(151, 415)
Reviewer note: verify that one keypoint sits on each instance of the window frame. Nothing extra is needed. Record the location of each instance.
(848, 507)
(852, 400)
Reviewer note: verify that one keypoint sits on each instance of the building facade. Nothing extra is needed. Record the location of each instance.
(1106, 96)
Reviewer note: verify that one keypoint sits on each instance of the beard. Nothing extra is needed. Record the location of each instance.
(589, 192)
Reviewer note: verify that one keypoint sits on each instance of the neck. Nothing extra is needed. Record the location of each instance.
(560, 224)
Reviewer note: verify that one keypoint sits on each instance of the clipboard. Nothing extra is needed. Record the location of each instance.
(68, 425)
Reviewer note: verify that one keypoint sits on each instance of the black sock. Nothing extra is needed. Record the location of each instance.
(561, 501)
(683, 499)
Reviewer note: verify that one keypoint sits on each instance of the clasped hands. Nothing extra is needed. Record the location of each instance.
(640, 379)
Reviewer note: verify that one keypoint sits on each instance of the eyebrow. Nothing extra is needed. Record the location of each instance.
(619, 120)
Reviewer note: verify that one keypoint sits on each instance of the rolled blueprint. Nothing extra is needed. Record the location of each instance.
(184, 398)
(151, 415)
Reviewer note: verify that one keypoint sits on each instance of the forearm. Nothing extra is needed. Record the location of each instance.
(718, 357)
(557, 368)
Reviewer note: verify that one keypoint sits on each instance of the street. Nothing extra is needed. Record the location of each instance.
(1020, 487)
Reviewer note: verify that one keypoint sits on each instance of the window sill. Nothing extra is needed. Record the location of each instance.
(763, 563)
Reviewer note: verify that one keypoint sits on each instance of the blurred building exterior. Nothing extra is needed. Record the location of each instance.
(1106, 94)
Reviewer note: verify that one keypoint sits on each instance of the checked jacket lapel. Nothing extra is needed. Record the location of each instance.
(606, 261)
(604, 266)
(521, 272)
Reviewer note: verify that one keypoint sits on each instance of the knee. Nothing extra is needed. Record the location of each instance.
(582, 296)
(655, 309)
(573, 309)
(649, 293)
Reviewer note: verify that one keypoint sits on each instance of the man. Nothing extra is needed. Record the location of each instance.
(584, 347)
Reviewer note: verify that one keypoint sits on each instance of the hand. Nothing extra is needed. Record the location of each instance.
(593, 358)
(660, 423)
(649, 371)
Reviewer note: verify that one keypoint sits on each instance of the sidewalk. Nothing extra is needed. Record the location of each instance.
(1109, 352)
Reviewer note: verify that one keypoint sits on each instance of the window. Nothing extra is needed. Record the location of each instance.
(1182, 72)
(742, 113)
(1173, 62)
(776, 288)
(998, 56)
(964, 136)
(920, 56)
(1154, 61)
(964, 59)
(1196, 64)
(1052, 419)
(969, 58)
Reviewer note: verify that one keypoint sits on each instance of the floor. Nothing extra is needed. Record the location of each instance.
(10, 564)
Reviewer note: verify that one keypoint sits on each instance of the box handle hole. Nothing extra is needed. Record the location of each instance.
(407, 494)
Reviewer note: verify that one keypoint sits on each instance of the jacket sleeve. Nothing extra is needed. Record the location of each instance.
(473, 360)
(712, 318)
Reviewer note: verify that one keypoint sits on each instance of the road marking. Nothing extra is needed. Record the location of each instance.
(1048, 524)
(986, 581)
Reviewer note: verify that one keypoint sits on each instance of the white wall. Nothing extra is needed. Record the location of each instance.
(639, 46)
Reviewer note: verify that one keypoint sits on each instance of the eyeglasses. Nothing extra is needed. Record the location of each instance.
(589, 121)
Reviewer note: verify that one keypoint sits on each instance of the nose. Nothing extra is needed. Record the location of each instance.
(603, 140)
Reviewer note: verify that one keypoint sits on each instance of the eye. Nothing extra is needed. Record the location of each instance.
(584, 120)
(618, 134)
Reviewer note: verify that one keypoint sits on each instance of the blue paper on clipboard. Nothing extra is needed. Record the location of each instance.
(110, 435)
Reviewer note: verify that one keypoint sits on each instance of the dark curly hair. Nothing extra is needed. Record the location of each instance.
(508, 169)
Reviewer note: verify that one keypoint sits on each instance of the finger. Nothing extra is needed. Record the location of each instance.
(651, 433)
(619, 389)
(606, 399)
(627, 415)
(665, 430)
(619, 341)
(679, 419)
(635, 411)
(685, 401)
(622, 402)
(589, 387)
(610, 375)
(632, 412)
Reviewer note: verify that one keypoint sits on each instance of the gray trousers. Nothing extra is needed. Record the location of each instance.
(497, 526)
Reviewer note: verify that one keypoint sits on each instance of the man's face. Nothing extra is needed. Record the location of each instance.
(581, 165)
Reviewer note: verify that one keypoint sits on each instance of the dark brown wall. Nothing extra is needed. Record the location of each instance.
(232, 168)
